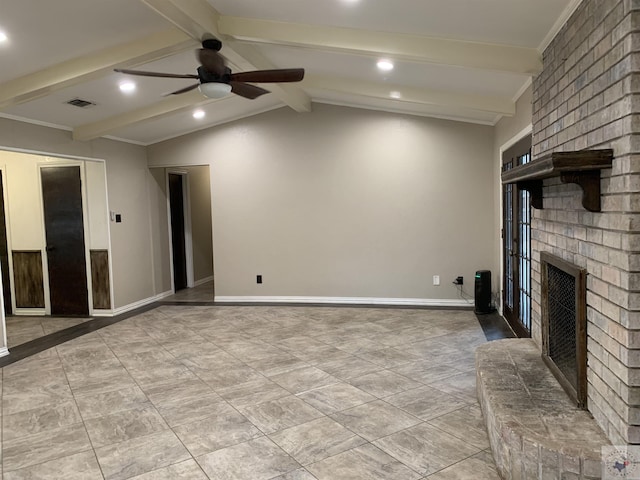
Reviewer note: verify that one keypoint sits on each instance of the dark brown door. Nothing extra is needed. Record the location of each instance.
(64, 229)
(176, 205)
(4, 253)
(516, 236)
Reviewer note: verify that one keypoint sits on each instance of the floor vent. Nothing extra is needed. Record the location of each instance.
(78, 102)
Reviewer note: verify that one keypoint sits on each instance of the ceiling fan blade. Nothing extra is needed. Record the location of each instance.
(212, 61)
(270, 76)
(247, 91)
(183, 90)
(154, 74)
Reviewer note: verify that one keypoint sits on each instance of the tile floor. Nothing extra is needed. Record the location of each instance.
(201, 293)
(24, 329)
(256, 393)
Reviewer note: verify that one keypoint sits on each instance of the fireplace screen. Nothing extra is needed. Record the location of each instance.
(564, 324)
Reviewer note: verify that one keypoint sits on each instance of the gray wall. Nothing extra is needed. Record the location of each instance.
(345, 203)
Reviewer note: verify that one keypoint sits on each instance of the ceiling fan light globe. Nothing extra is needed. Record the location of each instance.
(215, 89)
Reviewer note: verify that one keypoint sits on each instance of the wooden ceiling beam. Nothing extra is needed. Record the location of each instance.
(414, 48)
(164, 107)
(480, 103)
(89, 67)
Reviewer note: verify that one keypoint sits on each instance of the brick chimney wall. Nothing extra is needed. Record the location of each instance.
(588, 97)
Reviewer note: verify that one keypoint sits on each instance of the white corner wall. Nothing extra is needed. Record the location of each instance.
(343, 202)
(25, 222)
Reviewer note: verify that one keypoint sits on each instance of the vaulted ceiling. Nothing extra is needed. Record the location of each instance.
(466, 60)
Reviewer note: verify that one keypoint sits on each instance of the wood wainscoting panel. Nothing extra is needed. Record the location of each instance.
(100, 279)
(28, 278)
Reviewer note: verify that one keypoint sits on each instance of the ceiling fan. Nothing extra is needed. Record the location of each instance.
(216, 79)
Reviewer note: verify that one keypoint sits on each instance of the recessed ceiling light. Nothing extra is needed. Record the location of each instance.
(198, 114)
(395, 95)
(385, 65)
(3, 36)
(127, 87)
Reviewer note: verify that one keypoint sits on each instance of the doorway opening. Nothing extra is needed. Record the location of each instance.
(180, 226)
(185, 256)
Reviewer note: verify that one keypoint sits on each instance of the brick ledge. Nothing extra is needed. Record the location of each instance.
(534, 428)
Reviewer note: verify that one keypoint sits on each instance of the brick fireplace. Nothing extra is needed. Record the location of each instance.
(588, 97)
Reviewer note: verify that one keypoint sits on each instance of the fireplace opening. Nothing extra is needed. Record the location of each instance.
(564, 324)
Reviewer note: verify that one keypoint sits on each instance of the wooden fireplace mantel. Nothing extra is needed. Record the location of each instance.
(582, 168)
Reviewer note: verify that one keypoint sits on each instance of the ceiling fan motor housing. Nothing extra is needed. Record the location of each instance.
(207, 77)
(212, 44)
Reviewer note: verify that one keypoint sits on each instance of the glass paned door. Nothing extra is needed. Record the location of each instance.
(516, 236)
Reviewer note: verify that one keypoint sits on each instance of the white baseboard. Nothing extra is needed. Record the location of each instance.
(30, 312)
(102, 313)
(414, 302)
(140, 303)
(162, 295)
(4, 351)
(202, 281)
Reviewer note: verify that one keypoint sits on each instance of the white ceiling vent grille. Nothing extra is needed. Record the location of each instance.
(78, 102)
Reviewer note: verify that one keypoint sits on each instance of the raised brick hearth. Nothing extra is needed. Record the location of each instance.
(535, 430)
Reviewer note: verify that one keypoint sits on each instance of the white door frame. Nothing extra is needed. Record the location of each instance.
(3, 330)
(528, 130)
(3, 169)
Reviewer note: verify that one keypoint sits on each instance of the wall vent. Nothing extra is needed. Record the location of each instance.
(78, 102)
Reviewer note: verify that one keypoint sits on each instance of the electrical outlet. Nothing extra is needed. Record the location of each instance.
(436, 279)
(258, 278)
(458, 281)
